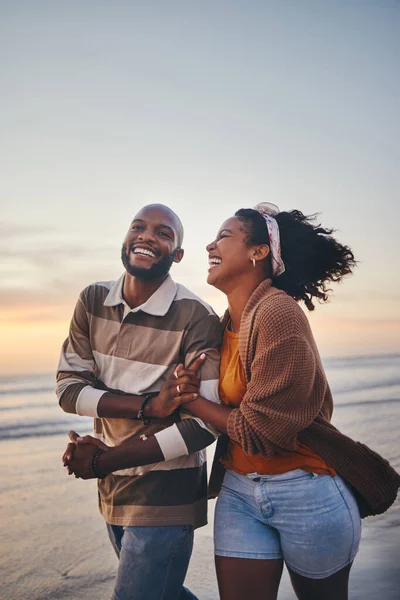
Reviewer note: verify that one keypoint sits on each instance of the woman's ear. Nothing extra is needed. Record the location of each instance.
(261, 252)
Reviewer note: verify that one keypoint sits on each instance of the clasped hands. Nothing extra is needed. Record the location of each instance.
(181, 388)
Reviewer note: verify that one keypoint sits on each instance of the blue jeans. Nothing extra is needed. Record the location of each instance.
(311, 521)
(152, 562)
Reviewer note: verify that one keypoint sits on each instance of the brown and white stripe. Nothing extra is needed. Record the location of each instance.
(133, 351)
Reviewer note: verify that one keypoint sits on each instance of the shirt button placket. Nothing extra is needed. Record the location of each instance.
(123, 341)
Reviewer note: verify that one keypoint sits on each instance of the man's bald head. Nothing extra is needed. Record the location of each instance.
(167, 216)
(152, 243)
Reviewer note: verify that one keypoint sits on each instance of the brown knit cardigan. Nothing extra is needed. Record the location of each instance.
(288, 400)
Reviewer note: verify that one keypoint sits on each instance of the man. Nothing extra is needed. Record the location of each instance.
(126, 339)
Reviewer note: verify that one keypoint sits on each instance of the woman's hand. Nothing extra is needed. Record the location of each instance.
(183, 386)
(175, 391)
(210, 412)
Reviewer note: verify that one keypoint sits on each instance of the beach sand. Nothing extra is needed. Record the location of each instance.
(54, 544)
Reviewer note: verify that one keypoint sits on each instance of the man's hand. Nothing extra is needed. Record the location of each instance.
(79, 454)
(183, 386)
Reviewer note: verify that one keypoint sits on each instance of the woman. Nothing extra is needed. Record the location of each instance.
(282, 497)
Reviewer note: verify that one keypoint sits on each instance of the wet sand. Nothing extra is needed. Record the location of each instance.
(54, 544)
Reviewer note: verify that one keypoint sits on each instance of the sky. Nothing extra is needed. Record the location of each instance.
(206, 107)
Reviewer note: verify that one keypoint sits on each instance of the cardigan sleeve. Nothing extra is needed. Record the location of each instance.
(282, 396)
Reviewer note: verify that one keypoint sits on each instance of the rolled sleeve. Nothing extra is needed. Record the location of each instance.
(87, 402)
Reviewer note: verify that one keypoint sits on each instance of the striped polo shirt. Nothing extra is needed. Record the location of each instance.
(114, 348)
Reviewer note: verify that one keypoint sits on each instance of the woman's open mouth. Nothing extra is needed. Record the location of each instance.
(213, 261)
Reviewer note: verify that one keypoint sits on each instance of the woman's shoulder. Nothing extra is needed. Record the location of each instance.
(280, 311)
(275, 300)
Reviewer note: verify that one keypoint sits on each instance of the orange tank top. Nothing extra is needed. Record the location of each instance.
(232, 387)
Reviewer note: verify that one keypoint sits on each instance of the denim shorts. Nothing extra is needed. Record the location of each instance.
(310, 521)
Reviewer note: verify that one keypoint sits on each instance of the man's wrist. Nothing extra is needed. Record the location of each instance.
(142, 416)
(149, 407)
(96, 469)
(103, 462)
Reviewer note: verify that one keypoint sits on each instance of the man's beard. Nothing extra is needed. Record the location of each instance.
(156, 271)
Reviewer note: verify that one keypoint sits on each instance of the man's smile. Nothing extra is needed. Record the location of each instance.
(142, 251)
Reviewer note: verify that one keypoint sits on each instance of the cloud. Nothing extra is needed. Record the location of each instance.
(366, 295)
(37, 268)
(15, 230)
(45, 254)
(53, 300)
(44, 248)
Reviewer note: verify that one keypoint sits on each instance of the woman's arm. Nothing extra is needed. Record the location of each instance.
(216, 415)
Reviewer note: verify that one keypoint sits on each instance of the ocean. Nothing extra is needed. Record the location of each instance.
(55, 538)
(366, 392)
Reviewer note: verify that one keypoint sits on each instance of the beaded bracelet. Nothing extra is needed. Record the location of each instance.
(140, 415)
(94, 464)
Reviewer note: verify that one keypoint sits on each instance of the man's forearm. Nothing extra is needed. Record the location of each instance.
(116, 406)
(215, 414)
(132, 454)
(159, 406)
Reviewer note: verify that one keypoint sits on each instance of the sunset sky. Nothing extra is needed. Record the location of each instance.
(206, 107)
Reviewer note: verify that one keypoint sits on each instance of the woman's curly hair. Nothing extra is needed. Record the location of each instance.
(312, 257)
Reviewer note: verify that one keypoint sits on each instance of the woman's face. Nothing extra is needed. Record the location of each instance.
(229, 256)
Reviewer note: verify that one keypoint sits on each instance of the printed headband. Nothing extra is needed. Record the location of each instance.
(268, 211)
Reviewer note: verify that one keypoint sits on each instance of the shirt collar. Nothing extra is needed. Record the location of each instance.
(158, 304)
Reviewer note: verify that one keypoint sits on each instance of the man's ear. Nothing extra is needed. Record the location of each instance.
(178, 254)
